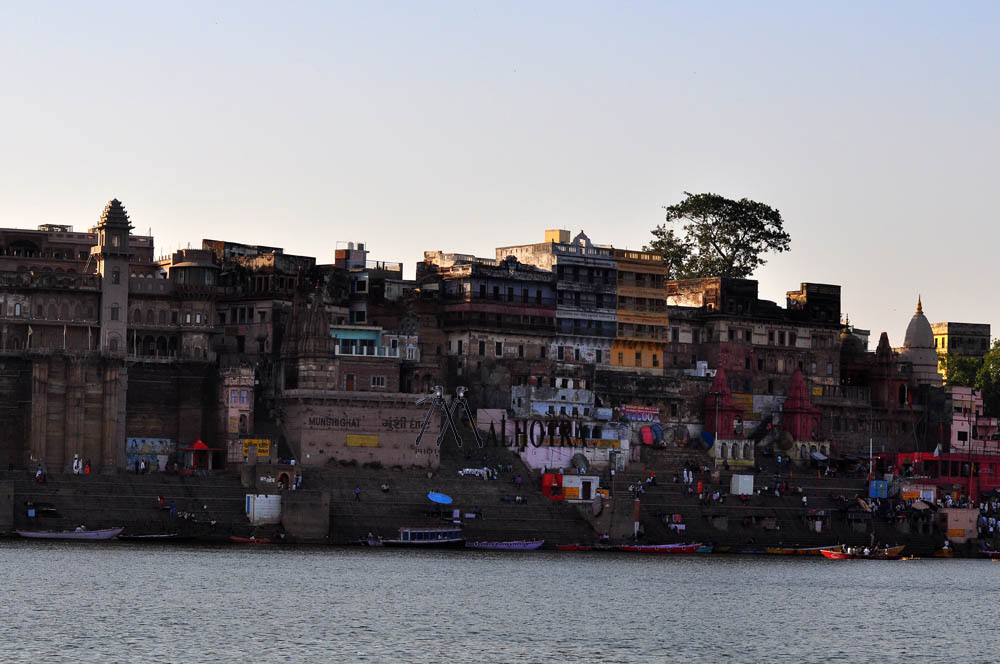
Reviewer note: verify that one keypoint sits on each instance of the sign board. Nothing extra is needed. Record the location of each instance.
(911, 495)
(262, 445)
(745, 402)
(362, 440)
(878, 489)
(571, 492)
(641, 413)
(956, 532)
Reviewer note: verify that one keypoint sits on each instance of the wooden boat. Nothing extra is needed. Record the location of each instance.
(81, 534)
(995, 555)
(705, 548)
(432, 537)
(840, 554)
(797, 550)
(513, 545)
(155, 537)
(573, 547)
(661, 548)
(944, 553)
(249, 540)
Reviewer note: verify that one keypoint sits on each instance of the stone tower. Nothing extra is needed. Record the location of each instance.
(113, 253)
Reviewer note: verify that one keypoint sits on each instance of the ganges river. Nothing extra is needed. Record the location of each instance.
(119, 602)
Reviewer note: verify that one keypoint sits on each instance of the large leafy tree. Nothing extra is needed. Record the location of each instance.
(718, 237)
(962, 370)
(988, 380)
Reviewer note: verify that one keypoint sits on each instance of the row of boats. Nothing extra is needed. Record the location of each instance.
(85, 534)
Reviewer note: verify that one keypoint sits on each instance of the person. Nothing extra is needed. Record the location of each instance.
(136, 466)
(385, 488)
(357, 494)
(39, 476)
(173, 508)
(160, 500)
(803, 501)
(86, 467)
(142, 466)
(77, 466)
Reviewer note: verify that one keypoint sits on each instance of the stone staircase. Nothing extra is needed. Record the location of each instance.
(129, 500)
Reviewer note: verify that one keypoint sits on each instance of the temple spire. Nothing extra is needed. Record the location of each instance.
(920, 307)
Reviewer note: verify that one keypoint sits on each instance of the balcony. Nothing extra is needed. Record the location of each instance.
(365, 351)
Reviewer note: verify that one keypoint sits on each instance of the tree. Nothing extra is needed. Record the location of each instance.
(961, 370)
(988, 380)
(720, 238)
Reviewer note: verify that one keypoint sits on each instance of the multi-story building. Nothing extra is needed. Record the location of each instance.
(961, 339)
(95, 338)
(499, 319)
(641, 335)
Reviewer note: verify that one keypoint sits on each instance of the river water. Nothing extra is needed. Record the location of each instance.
(118, 602)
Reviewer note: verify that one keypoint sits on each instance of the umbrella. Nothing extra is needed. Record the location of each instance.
(439, 498)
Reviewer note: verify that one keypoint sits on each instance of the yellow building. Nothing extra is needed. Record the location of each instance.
(961, 339)
(642, 311)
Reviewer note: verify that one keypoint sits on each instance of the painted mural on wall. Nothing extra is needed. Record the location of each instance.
(156, 452)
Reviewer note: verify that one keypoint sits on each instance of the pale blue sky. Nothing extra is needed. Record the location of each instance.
(466, 126)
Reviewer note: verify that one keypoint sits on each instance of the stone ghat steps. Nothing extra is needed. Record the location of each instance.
(406, 504)
(131, 501)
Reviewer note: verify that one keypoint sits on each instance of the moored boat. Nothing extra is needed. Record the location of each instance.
(513, 545)
(797, 550)
(705, 548)
(843, 553)
(995, 555)
(78, 534)
(432, 537)
(573, 547)
(661, 548)
(249, 540)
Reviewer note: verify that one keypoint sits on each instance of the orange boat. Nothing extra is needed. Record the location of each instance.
(797, 550)
(841, 553)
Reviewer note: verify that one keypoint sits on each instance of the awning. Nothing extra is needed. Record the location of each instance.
(818, 456)
(439, 498)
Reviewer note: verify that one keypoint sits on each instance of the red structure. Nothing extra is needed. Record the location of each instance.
(200, 457)
(720, 410)
(800, 418)
(552, 486)
(971, 474)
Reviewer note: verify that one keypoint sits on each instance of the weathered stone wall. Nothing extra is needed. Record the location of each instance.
(305, 515)
(15, 397)
(175, 401)
(361, 427)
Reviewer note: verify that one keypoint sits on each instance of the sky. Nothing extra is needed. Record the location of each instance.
(465, 126)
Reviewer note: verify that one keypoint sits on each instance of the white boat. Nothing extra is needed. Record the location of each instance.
(78, 534)
(428, 537)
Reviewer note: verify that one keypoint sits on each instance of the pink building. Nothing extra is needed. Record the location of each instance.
(968, 425)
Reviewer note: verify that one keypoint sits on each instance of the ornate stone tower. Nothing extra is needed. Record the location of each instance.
(112, 253)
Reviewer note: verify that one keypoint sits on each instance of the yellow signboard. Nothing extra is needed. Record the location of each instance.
(745, 402)
(911, 495)
(571, 492)
(263, 446)
(817, 390)
(234, 424)
(956, 532)
(361, 440)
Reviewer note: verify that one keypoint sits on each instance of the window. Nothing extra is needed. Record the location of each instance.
(510, 294)
(760, 364)
(496, 292)
(770, 337)
(638, 358)
(113, 344)
(597, 356)
(187, 317)
(261, 316)
(114, 312)
(829, 368)
(197, 319)
(482, 291)
(411, 353)
(173, 317)
(116, 240)
(116, 276)
(746, 363)
(621, 358)
(732, 335)
(17, 309)
(243, 396)
(576, 354)
(538, 296)
(378, 381)
(482, 348)
(360, 316)
(560, 353)
(656, 360)
(162, 316)
(234, 396)
(748, 335)
(675, 335)
(498, 349)
(459, 346)
(600, 301)
(791, 338)
(520, 350)
(137, 316)
(542, 351)
(673, 410)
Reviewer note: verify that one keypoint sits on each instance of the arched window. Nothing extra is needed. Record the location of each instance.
(64, 311)
(747, 451)
(137, 316)
(722, 451)
(163, 317)
(52, 312)
(149, 316)
(734, 451)
(114, 312)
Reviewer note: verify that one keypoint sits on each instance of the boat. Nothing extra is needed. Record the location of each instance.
(431, 537)
(841, 553)
(797, 550)
(705, 548)
(944, 553)
(78, 534)
(661, 548)
(249, 540)
(371, 541)
(513, 545)
(573, 547)
(995, 555)
(155, 537)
